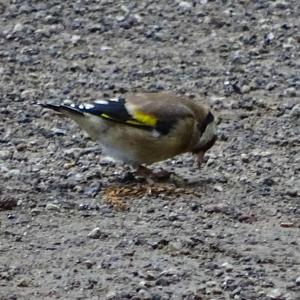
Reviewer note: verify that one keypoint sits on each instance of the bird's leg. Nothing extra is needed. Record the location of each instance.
(200, 158)
(144, 173)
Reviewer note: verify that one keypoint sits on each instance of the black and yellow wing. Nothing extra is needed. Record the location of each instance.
(145, 114)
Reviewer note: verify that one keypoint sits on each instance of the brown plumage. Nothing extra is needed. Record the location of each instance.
(144, 128)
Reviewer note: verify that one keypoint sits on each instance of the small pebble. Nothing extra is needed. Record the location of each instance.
(211, 283)
(58, 131)
(270, 86)
(96, 233)
(292, 192)
(52, 206)
(29, 93)
(228, 267)
(5, 154)
(216, 208)
(287, 224)
(88, 264)
(281, 4)
(8, 203)
(244, 158)
(245, 89)
(18, 27)
(270, 36)
(24, 282)
(295, 112)
(185, 5)
(275, 294)
(290, 92)
(162, 282)
(218, 188)
(144, 294)
(173, 216)
(168, 272)
(111, 295)
(75, 39)
(35, 211)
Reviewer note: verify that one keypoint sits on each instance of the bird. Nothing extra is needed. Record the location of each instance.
(140, 129)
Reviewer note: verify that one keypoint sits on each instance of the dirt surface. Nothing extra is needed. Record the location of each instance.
(72, 229)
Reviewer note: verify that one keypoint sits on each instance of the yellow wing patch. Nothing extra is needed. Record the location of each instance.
(139, 119)
(106, 116)
(133, 122)
(145, 119)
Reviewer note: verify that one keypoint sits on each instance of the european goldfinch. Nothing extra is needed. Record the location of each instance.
(145, 128)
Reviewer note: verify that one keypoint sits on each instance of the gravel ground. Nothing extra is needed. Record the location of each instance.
(232, 231)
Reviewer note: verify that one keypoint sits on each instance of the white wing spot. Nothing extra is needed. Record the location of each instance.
(115, 99)
(89, 105)
(81, 106)
(73, 105)
(155, 133)
(101, 102)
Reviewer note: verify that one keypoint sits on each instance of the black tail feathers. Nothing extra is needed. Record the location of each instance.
(64, 109)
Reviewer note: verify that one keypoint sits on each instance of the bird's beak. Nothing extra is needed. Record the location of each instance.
(200, 158)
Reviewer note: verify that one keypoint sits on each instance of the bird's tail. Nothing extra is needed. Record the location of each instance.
(64, 109)
(90, 123)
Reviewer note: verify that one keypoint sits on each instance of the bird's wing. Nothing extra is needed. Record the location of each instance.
(136, 110)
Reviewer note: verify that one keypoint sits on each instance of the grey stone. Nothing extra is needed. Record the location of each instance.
(276, 294)
(270, 86)
(185, 5)
(18, 28)
(227, 266)
(245, 89)
(295, 111)
(96, 233)
(5, 154)
(245, 158)
(290, 92)
(7, 203)
(53, 207)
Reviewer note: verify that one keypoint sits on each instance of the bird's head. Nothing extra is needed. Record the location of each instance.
(207, 136)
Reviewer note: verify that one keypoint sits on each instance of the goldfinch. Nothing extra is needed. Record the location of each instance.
(145, 128)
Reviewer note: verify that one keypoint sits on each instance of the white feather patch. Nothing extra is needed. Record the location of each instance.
(155, 133)
(101, 101)
(81, 106)
(89, 105)
(115, 99)
(73, 105)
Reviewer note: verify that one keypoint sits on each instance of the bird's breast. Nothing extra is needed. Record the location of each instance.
(137, 146)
